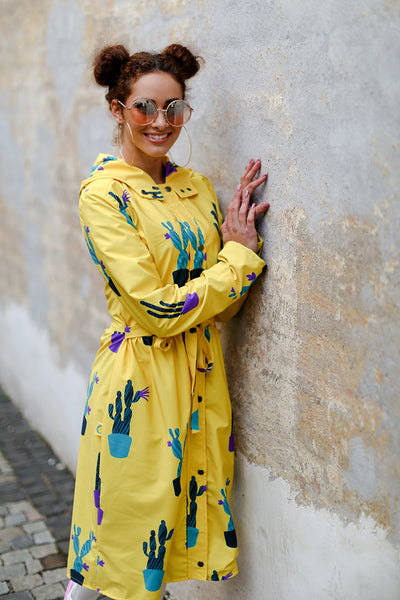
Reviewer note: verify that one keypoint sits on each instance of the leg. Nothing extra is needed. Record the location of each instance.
(75, 591)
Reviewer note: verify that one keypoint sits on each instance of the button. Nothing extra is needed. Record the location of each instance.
(200, 563)
(167, 189)
(200, 472)
(199, 399)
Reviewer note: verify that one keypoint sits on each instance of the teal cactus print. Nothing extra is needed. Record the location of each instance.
(98, 262)
(154, 573)
(191, 518)
(251, 277)
(214, 213)
(119, 440)
(230, 534)
(198, 246)
(91, 383)
(81, 552)
(180, 244)
(100, 166)
(178, 452)
(123, 205)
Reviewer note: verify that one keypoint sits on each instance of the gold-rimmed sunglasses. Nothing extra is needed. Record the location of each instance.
(143, 111)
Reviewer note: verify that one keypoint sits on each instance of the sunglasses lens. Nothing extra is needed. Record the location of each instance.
(143, 111)
(178, 113)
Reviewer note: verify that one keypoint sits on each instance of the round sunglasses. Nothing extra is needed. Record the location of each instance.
(177, 113)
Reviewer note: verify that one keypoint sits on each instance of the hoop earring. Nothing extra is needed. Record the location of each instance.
(120, 126)
(190, 149)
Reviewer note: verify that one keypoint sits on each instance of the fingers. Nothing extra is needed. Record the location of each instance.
(247, 180)
(251, 217)
(244, 209)
(261, 209)
(232, 220)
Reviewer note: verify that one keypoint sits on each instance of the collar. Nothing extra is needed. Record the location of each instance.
(178, 179)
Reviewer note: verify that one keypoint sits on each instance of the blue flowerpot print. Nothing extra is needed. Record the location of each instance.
(153, 579)
(119, 444)
(192, 533)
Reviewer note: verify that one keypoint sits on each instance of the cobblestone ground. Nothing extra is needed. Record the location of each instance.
(36, 492)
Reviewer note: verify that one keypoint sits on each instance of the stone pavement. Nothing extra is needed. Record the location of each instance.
(36, 492)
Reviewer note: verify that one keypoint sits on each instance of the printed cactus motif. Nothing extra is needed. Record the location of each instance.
(156, 561)
(230, 534)
(178, 452)
(122, 425)
(119, 440)
(98, 262)
(194, 493)
(80, 552)
(123, 205)
(196, 243)
(91, 383)
(97, 491)
(215, 576)
(214, 214)
(191, 517)
(180, 244)
(153, 575)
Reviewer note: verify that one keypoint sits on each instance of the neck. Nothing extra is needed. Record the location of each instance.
(153, 166)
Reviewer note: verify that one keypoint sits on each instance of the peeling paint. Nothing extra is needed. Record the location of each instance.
(313, 358)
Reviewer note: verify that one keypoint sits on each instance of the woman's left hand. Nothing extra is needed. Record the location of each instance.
(239, 225)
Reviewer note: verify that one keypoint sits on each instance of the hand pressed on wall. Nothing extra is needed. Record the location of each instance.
(239, 225)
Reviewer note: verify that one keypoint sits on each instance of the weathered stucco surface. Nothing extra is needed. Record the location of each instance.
(313, 359)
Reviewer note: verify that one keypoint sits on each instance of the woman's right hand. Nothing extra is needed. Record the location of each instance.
(239, 225)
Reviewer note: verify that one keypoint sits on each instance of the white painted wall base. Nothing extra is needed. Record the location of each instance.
(52, 398)
(292, 552)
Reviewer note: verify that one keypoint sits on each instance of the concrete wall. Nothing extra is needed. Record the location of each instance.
(313, 360)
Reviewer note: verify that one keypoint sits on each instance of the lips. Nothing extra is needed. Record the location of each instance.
(158, 137)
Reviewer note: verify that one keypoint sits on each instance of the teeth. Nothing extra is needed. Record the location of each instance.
(157, 137)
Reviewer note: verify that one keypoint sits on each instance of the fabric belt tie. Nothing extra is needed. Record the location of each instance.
(196, 341)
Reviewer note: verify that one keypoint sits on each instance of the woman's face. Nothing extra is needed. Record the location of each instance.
(155, 139)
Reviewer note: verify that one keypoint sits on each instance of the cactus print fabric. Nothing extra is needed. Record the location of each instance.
(156, 456)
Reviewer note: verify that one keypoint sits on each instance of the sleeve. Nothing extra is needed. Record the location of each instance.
(127, 265)
(235, 307)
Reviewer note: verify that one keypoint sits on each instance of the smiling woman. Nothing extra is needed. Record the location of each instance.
(156, 457)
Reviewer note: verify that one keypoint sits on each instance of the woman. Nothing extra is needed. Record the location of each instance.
(156, 458)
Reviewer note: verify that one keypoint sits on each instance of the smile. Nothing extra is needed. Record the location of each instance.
(156, 137)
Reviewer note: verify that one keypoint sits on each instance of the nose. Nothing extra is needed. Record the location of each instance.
(160, 120)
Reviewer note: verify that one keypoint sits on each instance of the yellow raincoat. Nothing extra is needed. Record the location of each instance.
(156, 456)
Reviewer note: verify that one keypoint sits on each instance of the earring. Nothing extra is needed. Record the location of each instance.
(190, 149)
(120, 129)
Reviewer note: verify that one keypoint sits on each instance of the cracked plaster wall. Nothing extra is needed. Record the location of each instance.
(313, 359)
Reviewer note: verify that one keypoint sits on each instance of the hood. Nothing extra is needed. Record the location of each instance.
(111, 167)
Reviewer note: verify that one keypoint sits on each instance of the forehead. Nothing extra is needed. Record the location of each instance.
(156, 86)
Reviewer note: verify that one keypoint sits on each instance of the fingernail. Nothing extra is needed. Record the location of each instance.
(239, 187)
(246, 194)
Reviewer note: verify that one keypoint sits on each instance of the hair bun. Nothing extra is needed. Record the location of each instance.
(187, 62)
(108, 64)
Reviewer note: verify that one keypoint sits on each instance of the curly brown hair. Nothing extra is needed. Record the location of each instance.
(116, 69)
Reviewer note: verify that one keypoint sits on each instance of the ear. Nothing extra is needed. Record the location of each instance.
(116, 110)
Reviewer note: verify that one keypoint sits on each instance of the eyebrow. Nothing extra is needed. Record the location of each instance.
(166, 102)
